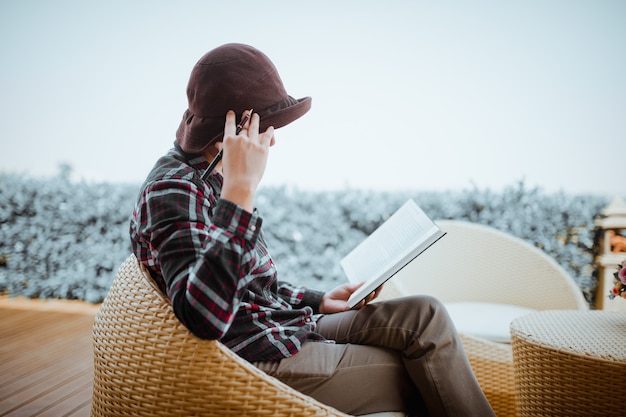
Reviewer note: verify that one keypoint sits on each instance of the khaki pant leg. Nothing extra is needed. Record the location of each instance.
(355, 379)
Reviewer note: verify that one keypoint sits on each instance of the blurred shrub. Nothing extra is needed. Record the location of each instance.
(60, 239)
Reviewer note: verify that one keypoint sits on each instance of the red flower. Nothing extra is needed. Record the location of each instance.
(619, 289)
(622, 274)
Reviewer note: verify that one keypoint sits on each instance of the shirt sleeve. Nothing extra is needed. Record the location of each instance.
(300, 296)
(204, 253)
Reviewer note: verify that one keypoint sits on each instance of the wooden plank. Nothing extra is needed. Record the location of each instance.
(56, 305)
(28, 367)
(9, 319)
(25, 353)
(46, 359)
(82, 411)
(51, 396)
(50, 334)
(53, 333)
(76, 404)
(28, 373)
(28, 385)
(22, 322)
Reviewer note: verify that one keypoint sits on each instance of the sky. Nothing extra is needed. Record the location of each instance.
(417, 95)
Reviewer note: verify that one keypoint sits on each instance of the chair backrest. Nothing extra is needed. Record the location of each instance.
(474, 262)
(146, 363)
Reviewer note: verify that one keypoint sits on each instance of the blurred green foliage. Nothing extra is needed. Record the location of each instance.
(62, 239)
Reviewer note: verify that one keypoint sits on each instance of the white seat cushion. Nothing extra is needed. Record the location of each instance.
(488, 321)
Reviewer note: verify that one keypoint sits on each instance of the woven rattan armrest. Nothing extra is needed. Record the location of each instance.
(148, 364)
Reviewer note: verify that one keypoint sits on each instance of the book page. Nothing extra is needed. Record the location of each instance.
(405, 235)
(391, 242)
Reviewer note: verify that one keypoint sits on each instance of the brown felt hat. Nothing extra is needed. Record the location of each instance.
(234, 77)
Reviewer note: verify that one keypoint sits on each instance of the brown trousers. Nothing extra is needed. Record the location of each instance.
(397, 355)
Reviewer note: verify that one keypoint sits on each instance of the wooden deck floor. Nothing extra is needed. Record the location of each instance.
(46, 358)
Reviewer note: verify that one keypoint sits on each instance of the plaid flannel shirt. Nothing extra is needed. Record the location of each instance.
(210, 258)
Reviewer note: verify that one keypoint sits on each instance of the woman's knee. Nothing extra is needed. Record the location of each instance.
(425, 306)
(428, 316)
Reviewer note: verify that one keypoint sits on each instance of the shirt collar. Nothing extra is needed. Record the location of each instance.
(199, 163)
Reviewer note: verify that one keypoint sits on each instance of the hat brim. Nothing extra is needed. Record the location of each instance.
(195, 134)
(283, 116)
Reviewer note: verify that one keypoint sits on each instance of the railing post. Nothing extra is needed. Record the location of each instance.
(610, 253)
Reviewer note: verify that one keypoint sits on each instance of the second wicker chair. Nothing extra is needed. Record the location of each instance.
(477, 263)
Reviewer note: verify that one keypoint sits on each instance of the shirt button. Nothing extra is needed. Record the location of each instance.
(253, 228)
(308, 319)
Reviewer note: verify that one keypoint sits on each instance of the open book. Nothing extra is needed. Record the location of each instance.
(396, 242)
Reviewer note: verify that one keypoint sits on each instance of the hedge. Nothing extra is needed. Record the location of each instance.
(63, 239)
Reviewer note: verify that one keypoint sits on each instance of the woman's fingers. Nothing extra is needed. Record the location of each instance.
(230, 126)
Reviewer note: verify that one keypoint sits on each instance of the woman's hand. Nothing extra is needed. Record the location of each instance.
(244, 159)
(336, 300)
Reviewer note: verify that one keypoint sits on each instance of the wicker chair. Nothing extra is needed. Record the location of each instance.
(148, 364)
(481, 264)
(570, 363)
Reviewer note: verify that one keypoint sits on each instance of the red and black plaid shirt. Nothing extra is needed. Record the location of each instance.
(210, 258)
